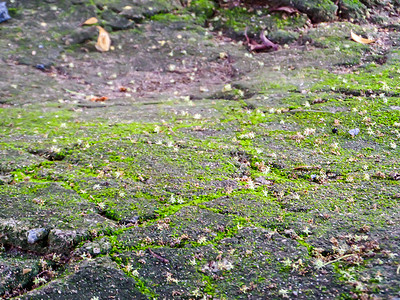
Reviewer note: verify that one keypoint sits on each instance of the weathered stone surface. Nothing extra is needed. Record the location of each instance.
(188, 224)
(12, 159)
(181, 165)
(251, 263)
(16, 274)
(46, 218)
(318, 11)
(99, 278)
(353, 10)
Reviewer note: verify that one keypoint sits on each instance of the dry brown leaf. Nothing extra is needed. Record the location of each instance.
(266, 43)
(99, 99)
(286, 9)
(360, 39)
(103, 41)
(90, 21)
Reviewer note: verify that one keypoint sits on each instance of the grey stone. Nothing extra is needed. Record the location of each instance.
(37, 234)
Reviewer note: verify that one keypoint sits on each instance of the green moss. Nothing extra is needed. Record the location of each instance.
(234, 19)
(14, 12)
(147, 163)
(288, 23)
(353, 9)
(169, 17)
(141, 284)
(203, 9)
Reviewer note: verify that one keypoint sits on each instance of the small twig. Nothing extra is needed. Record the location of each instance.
(308, 110)
(305, 168)
(164, 260)
(335, 260)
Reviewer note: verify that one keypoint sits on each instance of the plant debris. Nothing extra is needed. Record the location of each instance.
(159, 257)
(103, 41)
(99, 99)
(285, 9)
(90, 21)
(264, 46)
(360, 39)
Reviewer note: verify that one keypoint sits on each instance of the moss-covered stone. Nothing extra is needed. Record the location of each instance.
(98, 278)
(353, 9)
(283, 37)
(46, 218)
(17, 274)
(318, 11)
(207, 170)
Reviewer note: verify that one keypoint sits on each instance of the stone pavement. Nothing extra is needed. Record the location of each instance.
(181, 165)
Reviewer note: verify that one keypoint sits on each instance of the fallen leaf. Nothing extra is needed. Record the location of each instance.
(99, 99)
(360, 39)
(90, 21)
(266, 43)
(103, 41)
(286, 9)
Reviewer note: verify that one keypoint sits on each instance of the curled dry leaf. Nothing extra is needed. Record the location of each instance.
(90, 21)
(103, 41)
(286, 9)
(360, 39)
(256, 47)
(266, 42)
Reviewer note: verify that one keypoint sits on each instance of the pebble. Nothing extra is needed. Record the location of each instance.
(354, 132)
(41, 67)
(4, 16)
(37, 234)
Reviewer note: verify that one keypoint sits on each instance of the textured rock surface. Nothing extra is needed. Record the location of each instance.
(207, 170)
